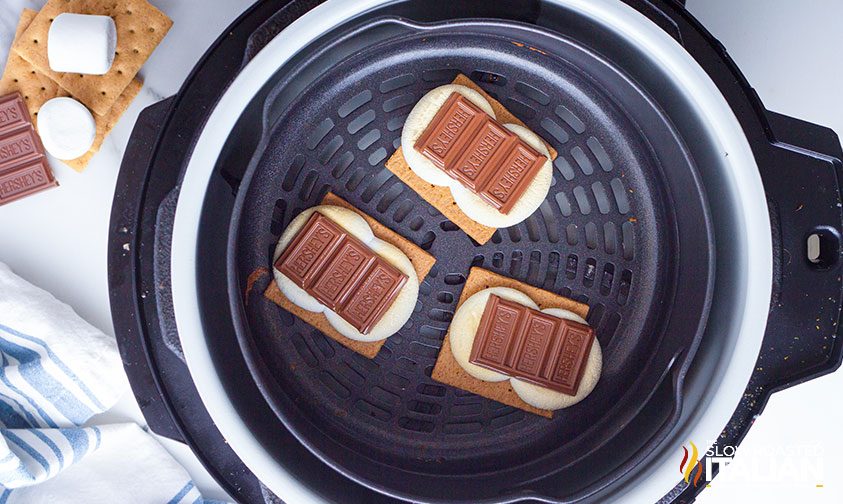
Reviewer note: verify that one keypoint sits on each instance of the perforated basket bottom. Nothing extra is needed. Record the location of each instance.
(606, 235)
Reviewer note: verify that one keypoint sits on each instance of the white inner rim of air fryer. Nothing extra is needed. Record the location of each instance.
(727, 167)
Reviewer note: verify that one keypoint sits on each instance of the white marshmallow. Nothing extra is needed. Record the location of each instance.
(81, 43)
(402, 307)
(67, 129)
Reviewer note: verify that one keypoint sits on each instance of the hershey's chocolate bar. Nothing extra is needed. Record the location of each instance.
(341, 272)
(25, 180)
(13, 113)
(527, 344)
(480, 152)
(23, 164)
(19, 146)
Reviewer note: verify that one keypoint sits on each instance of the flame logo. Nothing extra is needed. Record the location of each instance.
(686, 467)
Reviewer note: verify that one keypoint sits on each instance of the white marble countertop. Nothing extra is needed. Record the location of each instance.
(58, 239)
(789, 52)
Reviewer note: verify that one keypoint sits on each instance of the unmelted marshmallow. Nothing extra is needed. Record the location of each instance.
(66, 127)
(81, 44)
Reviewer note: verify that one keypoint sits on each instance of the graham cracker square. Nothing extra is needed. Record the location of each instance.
(106, 123)
(448, 371)
(140, 28)
(20, 76)
(37, 88)
(440, 197)
(422, 262)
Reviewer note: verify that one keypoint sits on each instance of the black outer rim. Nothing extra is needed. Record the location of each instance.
(790, 175)
(158, 377)
(174, 412)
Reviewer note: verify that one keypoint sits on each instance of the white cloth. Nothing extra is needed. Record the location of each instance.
(56, 372)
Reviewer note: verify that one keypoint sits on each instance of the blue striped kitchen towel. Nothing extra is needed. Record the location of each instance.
(56, 372)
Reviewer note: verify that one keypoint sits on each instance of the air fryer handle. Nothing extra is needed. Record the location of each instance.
(802, 177)
(124, 289)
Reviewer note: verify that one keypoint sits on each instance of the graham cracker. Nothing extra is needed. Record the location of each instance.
(106, 123)
(422, 262)
(448, 371)
(140, 28)
(37, 88)
(440, 197)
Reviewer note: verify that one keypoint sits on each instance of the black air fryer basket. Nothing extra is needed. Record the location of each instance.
(633, 225)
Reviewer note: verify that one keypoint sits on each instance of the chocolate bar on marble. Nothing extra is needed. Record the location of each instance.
(23, 163)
